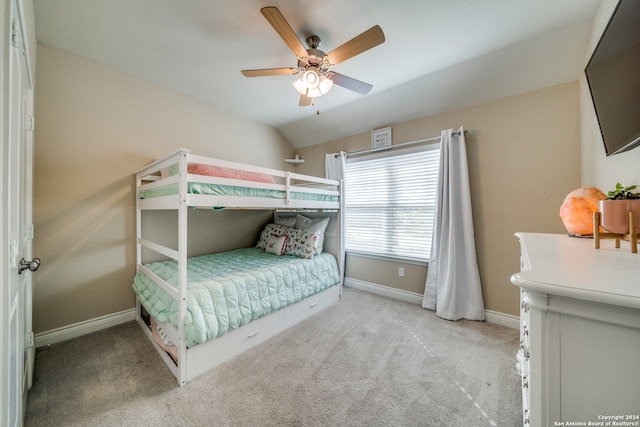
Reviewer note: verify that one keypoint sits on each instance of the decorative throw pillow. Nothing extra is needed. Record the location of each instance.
(301, 243)
(319, 225)
(209, 170)
(271, 230)
(219, 171)
(275, 245)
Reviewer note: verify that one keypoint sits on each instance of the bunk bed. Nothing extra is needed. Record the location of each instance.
(295, 270)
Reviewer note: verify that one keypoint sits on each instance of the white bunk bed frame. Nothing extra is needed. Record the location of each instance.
(195, 361)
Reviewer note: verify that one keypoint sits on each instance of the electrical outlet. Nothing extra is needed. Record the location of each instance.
(401, 271)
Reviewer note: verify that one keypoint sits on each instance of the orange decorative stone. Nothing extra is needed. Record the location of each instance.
(577, 210)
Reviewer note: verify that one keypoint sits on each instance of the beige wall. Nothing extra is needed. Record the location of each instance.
(524, 157)
(95, 127)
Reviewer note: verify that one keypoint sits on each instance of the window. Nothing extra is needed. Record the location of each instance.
(390, 203)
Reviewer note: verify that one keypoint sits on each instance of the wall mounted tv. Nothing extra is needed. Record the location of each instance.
(613, 75)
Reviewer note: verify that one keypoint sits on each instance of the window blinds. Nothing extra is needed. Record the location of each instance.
(390, 203)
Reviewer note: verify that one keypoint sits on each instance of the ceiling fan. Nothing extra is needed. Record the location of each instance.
(315, 65)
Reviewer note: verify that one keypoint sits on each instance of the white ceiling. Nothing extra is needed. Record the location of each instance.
(438, 55)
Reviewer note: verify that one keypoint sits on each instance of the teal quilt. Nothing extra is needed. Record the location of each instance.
(229, 289)
(230, 190)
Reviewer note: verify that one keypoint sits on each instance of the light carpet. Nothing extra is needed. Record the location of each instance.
(366, 361)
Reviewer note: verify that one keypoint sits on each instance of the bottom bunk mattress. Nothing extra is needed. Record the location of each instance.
(229, 289)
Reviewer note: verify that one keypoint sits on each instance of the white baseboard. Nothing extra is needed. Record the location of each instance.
(508, 320)
(490, 316)
(93, 325)
(82, 328)
(384, 291)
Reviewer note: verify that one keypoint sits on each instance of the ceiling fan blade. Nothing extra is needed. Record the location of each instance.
(282, 27)
(304, 101)
(365, 41)
(349, 83)
(269, 72)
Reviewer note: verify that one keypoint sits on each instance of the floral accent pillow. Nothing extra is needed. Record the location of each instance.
(319, 225)
(301, 243)
(272, 230)
(275, 245)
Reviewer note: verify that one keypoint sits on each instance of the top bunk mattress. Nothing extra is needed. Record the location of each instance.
(235, 191)
(229, 289)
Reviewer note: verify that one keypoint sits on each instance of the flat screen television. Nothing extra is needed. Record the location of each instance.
(613, 75)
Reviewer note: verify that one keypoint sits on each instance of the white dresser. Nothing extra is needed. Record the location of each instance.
(579, 353)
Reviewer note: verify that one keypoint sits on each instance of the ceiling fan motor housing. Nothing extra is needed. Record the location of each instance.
(316, 59)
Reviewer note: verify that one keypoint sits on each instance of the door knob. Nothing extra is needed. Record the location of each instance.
(32, 265)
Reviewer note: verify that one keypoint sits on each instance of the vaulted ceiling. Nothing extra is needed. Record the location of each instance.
(438, 55)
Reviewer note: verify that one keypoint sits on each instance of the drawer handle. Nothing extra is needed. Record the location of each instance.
(253, 334)
(313, 305)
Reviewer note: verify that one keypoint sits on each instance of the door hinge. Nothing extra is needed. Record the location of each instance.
(29, 231)
(28, 340)
(14, 33)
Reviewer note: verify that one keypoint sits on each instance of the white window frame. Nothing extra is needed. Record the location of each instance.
(388, 252)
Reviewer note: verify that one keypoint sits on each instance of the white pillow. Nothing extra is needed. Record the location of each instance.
(289, 221)
(318, 225)
(276, 245)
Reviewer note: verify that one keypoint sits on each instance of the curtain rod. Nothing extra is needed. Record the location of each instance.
(418, 141)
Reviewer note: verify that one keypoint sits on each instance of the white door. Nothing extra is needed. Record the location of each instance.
(18, 353)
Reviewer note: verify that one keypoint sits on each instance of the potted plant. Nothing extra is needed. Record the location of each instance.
(616, 207)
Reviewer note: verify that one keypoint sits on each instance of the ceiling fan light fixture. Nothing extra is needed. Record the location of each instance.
(310, 79)
(314, 93)
(312, 84)
(308, 83)
(325, 85)
(300, 87)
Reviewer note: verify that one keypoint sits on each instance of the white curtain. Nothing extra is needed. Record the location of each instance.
(334, 165)
(453, 287)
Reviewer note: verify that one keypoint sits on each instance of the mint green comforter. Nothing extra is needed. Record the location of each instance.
(230, 190)
(230, 289)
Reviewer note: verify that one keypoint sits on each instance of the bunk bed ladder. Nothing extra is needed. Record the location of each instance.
(341, 236)
(288, 188)
(182, 267)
